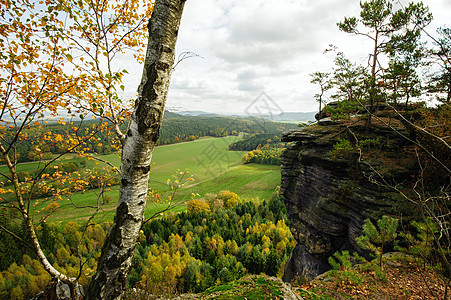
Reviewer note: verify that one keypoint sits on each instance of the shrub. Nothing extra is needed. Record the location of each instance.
(374, 240)
(369, 143)
(342, 148)
(342, 267)
(196, 206)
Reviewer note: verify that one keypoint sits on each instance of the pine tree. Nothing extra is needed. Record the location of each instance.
(374, 240)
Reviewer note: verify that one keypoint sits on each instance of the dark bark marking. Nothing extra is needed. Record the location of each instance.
(124, 182)
(162, 66)
(122, 215)
(167, 50)
(143, 169)
(156, 135)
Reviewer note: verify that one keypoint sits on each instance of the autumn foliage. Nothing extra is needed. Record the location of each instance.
(190, 251)
(57, 64)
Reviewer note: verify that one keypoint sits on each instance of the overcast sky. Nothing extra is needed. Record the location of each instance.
(254, 46)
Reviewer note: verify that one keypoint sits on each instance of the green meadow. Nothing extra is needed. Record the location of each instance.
(208, 160)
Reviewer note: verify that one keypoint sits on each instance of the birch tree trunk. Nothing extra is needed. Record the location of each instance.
(117, 253)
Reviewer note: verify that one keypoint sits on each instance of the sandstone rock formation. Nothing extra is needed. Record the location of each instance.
(328, 197)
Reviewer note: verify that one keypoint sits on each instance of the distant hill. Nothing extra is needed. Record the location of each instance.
(170, 114)
(282, 117)
(291, 116)
(198, 113)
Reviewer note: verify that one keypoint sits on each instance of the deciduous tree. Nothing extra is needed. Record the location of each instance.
(142, 135)
(59, 57)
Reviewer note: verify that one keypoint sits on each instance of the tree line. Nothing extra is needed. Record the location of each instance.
(263, 148)
(258, 140)
(45, 140)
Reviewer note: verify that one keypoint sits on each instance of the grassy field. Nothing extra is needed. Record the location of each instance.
(213, 167)
(31, 167)
(203, 157)
(248, 181)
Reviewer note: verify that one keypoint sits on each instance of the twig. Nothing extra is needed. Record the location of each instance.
(116, 169)
(183, 56)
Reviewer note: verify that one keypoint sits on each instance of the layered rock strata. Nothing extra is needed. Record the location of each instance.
(328, 197)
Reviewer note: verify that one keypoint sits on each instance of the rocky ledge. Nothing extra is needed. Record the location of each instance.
(328, 197)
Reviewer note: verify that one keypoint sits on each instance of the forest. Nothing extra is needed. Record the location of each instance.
(215, 241)
(255, 141)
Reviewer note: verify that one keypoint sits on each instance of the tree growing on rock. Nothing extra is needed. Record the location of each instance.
(396, 53)
(321, 79)
(390, 31)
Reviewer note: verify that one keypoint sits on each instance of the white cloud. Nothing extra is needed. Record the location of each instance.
(250, 46)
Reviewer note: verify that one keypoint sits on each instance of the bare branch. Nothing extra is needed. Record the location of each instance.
(183, 56)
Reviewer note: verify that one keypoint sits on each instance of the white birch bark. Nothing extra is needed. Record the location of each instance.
(117, 252)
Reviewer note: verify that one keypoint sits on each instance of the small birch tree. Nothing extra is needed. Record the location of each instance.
(322, 79)
(38, 44)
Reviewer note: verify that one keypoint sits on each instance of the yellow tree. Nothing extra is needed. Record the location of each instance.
(58, 56)
(32, 84)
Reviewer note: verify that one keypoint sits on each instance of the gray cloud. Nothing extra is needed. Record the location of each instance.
(250, 46)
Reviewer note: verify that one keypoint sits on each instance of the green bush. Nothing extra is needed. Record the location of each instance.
(343, 148)
(369, 143)
(342, 267)
(375, 240)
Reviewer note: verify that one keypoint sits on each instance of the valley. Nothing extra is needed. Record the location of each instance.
(213, 167)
